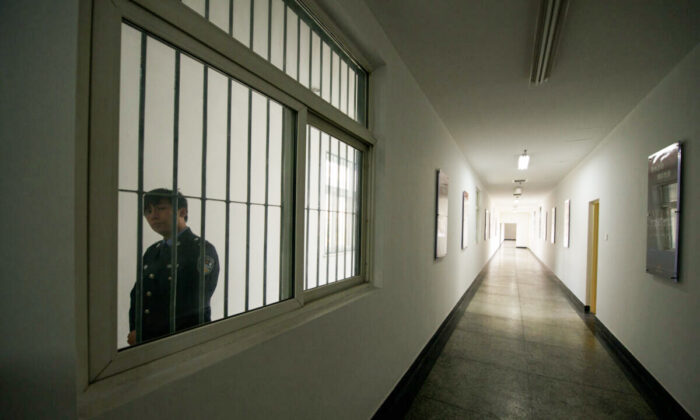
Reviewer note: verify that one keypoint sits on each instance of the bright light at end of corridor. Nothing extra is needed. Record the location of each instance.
(523, 161)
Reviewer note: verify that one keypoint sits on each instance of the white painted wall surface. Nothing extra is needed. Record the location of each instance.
(38, 52)
(522, 221)
(656, 319)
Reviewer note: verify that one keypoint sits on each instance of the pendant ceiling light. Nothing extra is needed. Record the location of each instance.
(523, 161)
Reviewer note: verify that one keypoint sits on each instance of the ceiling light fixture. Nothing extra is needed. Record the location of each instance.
(523, 161)
(547, 34)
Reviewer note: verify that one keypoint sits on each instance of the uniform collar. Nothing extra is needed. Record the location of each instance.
(169, 242)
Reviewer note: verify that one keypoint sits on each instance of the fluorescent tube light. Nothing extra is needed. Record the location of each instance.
(547, 34)
(523, 161)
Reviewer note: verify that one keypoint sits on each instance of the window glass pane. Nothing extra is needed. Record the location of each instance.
(249, 141)
(241, 21)
(240, 97)
(332, 223)
(196, 5)
(335, 80)
(215, 234)
(272, 275)
(130, 77)
(129, 214)
(326, 72)
(277, 34)
(189, 161)
(158, 120)
(237, 258)
(217, 110)
(274, 163)
(315, 64)
(304, 54)
(219, 13)
(292, 43)
(344, 87)
(256, 256)
(260, 27)
(258, 146)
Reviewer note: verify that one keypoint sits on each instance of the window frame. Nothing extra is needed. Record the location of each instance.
(176, 24)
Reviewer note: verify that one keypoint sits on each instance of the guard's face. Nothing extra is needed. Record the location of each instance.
(160, 218)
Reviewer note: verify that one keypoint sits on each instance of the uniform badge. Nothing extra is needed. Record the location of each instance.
(209, 263)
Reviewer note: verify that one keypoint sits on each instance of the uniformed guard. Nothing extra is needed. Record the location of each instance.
(189, 284)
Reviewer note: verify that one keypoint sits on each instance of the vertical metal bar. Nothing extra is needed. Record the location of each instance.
(311, 53)
(354, 211)
(252, 13)
(283, 200)
(347, 92)
(307, 205)
(227, 246)
(298, 47)
(328, 206)
(267, 200)
(269, 30)
(230, 18)
(138, 312)
(330, 73)
(284, 47)
(348, 150)
(247, 228)
(320, 83)
(202, 242)
(318, 214)
(206, 9)
(173, 199)
(337, 206)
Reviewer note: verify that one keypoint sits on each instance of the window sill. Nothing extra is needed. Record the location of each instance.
(119, 389)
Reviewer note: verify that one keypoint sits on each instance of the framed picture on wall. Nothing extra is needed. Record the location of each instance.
(554, 225)
(663, 211)
(441, 214)
(567, 205)
(465, 202)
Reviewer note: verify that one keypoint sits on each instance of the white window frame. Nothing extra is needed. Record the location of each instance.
(108, 368)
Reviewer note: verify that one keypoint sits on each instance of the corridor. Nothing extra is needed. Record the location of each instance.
(521, 351)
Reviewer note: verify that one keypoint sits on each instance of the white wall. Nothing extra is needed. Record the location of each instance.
(38, 52)
(522, 222)
(656, 319)
(340, 365)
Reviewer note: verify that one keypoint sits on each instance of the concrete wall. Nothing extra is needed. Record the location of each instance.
(340, 365)
(38, 52)
(655, 318)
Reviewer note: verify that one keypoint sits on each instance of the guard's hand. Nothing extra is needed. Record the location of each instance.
(131, 338)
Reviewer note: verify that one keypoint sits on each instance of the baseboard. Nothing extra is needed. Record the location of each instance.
(660, 400)
(399, 401)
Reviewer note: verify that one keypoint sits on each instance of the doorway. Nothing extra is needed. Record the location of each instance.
(592, 265)
(509, 231)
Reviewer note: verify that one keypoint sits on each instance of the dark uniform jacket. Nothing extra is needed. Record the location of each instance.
(158, 279)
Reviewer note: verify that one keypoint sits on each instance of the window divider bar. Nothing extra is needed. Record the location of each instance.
(348, 150)
(308, 213)
(354, 210)
(247, 233)
(337, 210)
(298, 47)
(230, 18)
(202, 242)
(269, 31)
(284, 43)
(174, 201)
(318, 214)
(328, 208)
(227, 246)
(267, 198)
(138, 313)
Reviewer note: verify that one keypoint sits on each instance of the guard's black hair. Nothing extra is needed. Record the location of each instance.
(155, 197)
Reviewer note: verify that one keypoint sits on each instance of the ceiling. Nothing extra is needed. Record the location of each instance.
(472, 60)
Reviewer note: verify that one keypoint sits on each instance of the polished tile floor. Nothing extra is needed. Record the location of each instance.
(521, 351)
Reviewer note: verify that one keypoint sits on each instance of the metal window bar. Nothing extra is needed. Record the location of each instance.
(174, 200)
(267, 192)
(314, 28)
(307, 210)
(138, 313)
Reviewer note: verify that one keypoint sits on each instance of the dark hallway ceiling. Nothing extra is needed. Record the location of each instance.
(472, 60)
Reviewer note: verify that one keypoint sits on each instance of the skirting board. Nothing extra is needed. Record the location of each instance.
(399, 401)
(663, 403)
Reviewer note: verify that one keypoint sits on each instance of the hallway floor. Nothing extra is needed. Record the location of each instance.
(522, 351)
